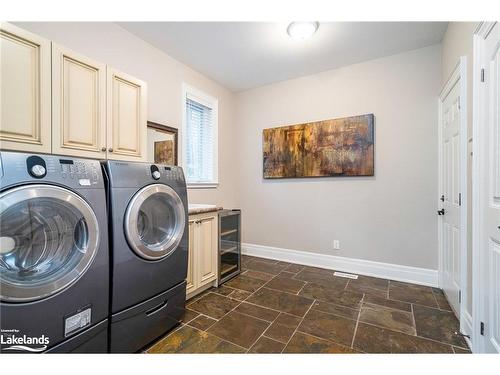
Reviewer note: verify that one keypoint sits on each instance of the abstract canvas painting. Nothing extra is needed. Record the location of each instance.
(337, 147)
(164, 152)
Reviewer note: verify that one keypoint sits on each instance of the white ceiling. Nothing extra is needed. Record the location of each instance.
(244, 55)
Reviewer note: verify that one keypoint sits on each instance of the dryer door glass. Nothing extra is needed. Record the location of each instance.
(155, 221)
(48, 239)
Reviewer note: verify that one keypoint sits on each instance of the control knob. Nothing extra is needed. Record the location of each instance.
(156, 175)
(38, 170)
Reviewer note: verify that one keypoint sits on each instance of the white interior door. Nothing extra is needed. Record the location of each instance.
(451, 179)
(489, 192)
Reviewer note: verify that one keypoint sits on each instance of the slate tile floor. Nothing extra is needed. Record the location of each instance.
(279, 307)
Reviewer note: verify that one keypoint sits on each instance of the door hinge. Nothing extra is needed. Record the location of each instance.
(459, 199)
(459, 296)
(482, 328)
(482, 75)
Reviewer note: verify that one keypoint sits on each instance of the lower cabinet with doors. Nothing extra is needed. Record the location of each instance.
(203, 257)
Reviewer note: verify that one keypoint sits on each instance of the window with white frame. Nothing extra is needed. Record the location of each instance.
(199, 138)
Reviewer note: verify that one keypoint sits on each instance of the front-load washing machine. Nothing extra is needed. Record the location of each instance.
(54, 263)
(149, 251)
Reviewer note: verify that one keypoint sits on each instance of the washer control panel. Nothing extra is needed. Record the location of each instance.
(84, 172)
(17, 167)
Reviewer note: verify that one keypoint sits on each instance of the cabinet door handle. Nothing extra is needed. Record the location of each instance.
(110, 149)
(103, 149)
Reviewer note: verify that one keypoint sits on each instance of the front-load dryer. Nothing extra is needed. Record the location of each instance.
(149, 251)
(54, 263)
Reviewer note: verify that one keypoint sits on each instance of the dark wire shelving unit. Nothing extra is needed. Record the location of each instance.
(229, 244)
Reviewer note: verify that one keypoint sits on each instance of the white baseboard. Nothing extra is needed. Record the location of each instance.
(390, 271)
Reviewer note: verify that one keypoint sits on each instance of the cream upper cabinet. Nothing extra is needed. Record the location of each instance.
(127, 110)
(78, 104)
(57, 100)
(25, 91)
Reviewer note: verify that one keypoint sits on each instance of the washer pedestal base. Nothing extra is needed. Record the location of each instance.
(134, 328)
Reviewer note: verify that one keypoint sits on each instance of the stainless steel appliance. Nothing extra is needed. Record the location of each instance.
(149, 249)
(54, 270)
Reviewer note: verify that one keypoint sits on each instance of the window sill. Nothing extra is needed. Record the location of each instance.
(202, 185)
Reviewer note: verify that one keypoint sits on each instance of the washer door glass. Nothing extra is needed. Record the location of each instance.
(48, 239)
(155, 221)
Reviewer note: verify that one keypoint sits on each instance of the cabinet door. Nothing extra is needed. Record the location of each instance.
(190, 279)
(78, 104)
(25, 123)
(127, 124)
(207, 250)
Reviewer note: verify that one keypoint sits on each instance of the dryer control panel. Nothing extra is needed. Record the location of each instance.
(172, 173)
(137, 174)
(165, 173)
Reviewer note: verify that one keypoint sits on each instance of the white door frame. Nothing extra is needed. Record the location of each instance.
(478, 178)
(458, 74)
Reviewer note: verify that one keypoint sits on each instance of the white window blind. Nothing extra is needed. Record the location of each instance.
(200, 134)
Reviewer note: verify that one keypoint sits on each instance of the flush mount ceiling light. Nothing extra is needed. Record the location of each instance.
(302, 30)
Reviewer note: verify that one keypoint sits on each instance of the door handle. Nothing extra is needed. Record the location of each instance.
(441, 212)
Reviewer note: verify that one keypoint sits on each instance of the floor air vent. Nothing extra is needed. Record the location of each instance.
(346, 275)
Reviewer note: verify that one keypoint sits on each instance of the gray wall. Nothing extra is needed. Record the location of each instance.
(390, 217)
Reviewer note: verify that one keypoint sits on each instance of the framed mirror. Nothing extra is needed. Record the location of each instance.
(162, 144)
